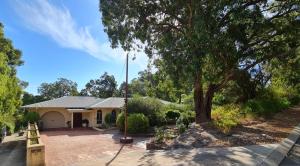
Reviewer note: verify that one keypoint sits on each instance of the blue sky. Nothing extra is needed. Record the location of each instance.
(63, 38)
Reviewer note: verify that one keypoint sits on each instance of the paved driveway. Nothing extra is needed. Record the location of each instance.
(13, 151)
(85, 147)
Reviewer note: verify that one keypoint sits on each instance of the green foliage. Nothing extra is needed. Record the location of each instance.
(8, 121)
(202, 43)
(172, 114)
(30, 98)
(186, 118)
(10, 85)
(61, 87)
(109, 119)
(150, 107)
(121, 121)
(226, 117)
(159, 134)
(104, 87)
(32, 117)
(181, 127)
(266, 107)
(137, 123)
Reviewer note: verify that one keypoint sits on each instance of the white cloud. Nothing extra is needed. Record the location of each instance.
(57, 23)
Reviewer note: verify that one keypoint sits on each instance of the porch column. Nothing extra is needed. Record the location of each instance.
(72, 120)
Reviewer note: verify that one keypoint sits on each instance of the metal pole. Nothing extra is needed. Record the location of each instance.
(126, 96)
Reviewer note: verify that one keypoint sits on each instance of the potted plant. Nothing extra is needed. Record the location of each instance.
(69, 124)
(85, 123)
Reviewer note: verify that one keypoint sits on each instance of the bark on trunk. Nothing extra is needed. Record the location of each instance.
(208, 101)
(199, 101)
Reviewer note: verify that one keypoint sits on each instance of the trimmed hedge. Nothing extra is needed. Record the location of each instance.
(137, 123)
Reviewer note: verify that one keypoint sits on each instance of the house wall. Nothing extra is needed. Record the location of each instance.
(67, 115)
(91, 116)
(105, 111)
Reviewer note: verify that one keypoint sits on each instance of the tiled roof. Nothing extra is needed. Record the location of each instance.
(82, 102)
(67, 102)
(112, 102)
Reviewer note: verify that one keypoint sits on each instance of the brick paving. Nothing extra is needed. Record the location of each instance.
(81, 147)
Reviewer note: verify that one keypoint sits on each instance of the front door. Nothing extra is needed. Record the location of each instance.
(77, 119)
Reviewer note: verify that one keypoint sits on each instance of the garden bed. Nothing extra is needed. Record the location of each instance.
(249, 132)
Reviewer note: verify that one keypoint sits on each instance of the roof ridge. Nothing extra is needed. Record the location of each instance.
(98, 102)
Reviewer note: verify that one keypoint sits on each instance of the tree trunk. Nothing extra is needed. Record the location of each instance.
(199, 101)
(208, 101)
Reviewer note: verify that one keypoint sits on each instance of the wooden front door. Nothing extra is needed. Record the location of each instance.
(77, 119)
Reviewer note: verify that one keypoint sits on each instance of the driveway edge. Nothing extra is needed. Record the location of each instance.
(281, 151)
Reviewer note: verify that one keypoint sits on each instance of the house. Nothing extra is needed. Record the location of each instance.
(70, 111)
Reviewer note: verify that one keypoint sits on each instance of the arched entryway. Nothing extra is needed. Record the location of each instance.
(53, 119)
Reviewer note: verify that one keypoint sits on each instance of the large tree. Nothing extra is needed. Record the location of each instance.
(61, 87)
(10, 85)
(205, 41)
(105, 86)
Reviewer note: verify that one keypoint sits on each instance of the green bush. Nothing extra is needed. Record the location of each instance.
(266, 107)
(109, 119)
(32, 117)
(226, 117)
(159, 135)
(295, 99)
(121, 121)
(137, 123)
(151, 108)
(8, 121)
(172, 114)
(186, 118)
(181, 127)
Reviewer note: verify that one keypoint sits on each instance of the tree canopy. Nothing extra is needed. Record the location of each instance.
(10, 85)
(105, 86)
(61, 87)
(205, 43)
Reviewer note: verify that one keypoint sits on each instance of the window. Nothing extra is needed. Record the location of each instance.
(99, 117)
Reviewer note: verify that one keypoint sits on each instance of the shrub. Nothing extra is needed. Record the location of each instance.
(109, 119)
(152, 108)
(159, 135)
(32, 117)
(186, 118)
(294, 99)
(121, 121)
(172, 114)
(137, 123)
(266, 107)
(226, 117)
(181, 127)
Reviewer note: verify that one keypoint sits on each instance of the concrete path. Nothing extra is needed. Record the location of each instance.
(249, 155)
(13, 151)
(293, 157)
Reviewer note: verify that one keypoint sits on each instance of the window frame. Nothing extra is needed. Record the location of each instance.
(99, 121)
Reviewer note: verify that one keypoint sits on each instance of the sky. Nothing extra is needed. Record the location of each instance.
(63, 39)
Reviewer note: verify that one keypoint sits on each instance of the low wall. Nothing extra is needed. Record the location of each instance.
(35, 147)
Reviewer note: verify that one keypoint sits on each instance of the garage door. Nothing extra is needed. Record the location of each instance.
(53, 119)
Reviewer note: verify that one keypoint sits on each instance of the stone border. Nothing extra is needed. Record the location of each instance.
(281, 151)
